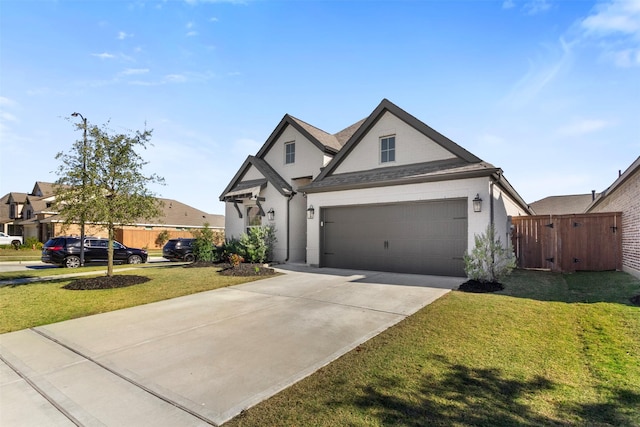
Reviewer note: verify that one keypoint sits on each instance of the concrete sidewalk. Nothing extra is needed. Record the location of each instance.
(203, 358)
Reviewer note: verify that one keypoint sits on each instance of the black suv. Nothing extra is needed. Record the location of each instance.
(179, 250)
(65, 251)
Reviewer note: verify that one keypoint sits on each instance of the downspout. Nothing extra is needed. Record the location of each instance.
(289, 222)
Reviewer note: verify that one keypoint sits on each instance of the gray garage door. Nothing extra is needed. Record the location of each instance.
(419, 238)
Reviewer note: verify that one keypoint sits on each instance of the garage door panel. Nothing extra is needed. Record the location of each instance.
(422, 237)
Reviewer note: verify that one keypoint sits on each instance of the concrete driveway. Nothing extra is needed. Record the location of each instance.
(203, 358)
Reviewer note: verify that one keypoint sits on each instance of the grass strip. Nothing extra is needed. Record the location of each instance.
(35, 304)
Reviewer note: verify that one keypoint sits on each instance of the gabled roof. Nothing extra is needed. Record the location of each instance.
(267, 171)
(175, 213)
(40, 204)
(631, 170)
(43, 189)
(16, 197)
(372, 119)
(4, 209)
(562, 205)
(325, 141)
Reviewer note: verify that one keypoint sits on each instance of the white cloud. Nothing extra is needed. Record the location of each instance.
(540, 75)
(583, 127)
(6, 101)
(175, 78)
(213, 19)
(535, 7)
(624, 58)
(617, 16)
(122, 35)
(134, 71)
(508, 4)
(104, 55)
(192, 33)
(614, 27)
(7, 117)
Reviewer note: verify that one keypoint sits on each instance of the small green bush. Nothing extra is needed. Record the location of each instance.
(204, 247)
(489, 261)
(258, 244)
(32, 243)
(231, 247)
(163, 237)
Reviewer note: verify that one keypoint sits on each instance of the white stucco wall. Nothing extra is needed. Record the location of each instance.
(504, 207)
(309, 159)
(411, 147)
(466, 188)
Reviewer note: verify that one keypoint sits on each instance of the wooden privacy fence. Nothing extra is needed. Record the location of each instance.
(139, 238)
(567, 243)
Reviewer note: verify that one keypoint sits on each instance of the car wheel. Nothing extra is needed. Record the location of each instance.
(72, 261)
(189, 257)
(134, 259)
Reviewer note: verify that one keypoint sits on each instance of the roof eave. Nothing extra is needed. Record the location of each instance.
(400, 181)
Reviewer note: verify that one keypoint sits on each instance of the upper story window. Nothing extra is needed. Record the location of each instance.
(12, 211)
(289, 153)
(388, 149)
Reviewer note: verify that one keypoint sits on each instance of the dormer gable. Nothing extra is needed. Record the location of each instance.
(43, 189)
(391, 137)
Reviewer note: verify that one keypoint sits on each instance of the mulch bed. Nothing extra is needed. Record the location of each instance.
(635, 300)
(480, 287)
(241, 270)
(105, 282)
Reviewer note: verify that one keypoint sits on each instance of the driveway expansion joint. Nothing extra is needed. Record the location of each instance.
(121, 376)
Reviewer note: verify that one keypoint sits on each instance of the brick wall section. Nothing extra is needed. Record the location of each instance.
(626, 198)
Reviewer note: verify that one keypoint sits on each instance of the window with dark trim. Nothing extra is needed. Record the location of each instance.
(254, 219)
(388, 149)
(289, 153)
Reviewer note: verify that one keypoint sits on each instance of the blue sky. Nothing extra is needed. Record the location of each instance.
(547, 90)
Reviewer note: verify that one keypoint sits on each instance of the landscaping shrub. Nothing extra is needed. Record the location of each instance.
(163, 237)
(258, 244)
(32, 243)
(204, 247)
(489, 261)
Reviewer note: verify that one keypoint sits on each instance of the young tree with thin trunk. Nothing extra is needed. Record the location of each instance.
(101, 181)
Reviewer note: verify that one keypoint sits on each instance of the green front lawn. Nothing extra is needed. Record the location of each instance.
(29, 305)
(550, 349)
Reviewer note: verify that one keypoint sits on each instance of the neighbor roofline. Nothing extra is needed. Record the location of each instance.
(617, 183)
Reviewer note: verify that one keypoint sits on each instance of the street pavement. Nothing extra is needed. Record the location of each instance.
(203, 358)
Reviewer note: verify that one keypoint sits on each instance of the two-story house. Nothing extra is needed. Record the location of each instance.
(387, 193)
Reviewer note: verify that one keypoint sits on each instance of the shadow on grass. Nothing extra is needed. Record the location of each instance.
(484, 397)
(581, 287)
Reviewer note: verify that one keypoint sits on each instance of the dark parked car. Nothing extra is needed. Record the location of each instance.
(65, 251)
(179, 250)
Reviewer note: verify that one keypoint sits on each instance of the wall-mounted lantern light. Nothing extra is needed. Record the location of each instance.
(310, 212)
(271, 214)
(477, 203)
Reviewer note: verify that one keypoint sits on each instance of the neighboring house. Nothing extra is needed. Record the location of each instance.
(11, 206)
(388, 193)
(563, 205)
(34, 216)
(624, 196)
